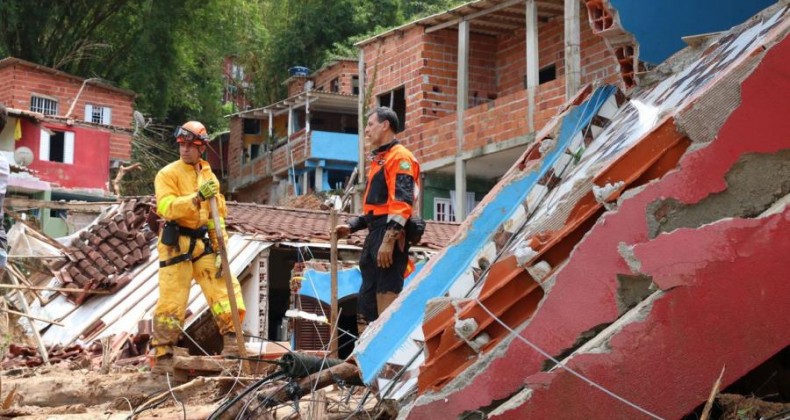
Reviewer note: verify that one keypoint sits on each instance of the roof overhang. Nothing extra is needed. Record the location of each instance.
(486, 17)
(318, 100)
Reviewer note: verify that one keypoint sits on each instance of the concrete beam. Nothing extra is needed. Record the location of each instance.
(478, 152)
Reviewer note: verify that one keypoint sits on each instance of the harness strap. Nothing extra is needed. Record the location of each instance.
(207, 249)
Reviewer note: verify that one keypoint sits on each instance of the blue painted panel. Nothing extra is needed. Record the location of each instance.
(334, 146)
(318, 284)
(659, 25)
(457, 257)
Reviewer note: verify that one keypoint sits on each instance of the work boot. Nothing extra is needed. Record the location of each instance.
(229, 346)
(163, 366)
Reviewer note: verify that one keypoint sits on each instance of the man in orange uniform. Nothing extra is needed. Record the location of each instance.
(390, 194)
(187, 246)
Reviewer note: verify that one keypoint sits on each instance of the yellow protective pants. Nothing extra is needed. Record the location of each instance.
(174, 284)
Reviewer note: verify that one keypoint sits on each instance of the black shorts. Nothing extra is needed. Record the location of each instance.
(376, 279)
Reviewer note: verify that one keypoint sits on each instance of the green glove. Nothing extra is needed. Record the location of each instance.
(218, 265)
(208, 189)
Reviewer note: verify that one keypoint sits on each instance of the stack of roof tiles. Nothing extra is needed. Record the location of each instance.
(108, 249)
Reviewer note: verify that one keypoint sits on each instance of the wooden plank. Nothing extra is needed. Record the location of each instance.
(228, 276)
(12, 312)
(75, 206)
(54, 289)
(318, 405)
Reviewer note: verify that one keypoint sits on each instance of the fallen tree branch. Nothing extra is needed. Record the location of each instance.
(116, 183)
(712, 397)
(345, 372)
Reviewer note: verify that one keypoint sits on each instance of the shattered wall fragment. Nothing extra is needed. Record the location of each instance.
(662, 160)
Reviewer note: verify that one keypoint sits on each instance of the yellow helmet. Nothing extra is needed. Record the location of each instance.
(192, 132)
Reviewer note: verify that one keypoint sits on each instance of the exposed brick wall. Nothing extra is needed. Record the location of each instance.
(426, 64)
(344, 71)
(299, 150)
(296, 85)
(235, 149)
(18, 82)
(397, 61)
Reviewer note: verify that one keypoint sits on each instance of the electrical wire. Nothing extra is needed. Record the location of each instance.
(183, 408)
(516, 235)
(224, 407)
(567, 368)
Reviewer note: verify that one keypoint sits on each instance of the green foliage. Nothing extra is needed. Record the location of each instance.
(171, 52)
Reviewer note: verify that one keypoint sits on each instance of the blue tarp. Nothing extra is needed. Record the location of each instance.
(318, 285)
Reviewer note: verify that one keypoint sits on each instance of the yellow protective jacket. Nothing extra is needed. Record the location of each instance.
(176, 188)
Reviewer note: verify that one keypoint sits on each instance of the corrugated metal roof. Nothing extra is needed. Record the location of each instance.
(121, 312)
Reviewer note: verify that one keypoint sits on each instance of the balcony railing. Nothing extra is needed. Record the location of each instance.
(301, 146)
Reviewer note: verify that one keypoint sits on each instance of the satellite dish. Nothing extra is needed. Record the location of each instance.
(23, 156)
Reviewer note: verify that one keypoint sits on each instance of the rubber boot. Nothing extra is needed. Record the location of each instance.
(229, 346)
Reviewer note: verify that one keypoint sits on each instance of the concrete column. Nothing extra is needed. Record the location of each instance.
(271, 124)
(361, 118)
(250, 290)
(319, 179)
(533, 61)
(307, 114)
(461, 103)
(305, 181)
(572, 49)
(460, 189)
(290, 120)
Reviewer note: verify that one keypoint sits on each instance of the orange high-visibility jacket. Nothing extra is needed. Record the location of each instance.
(393, 183)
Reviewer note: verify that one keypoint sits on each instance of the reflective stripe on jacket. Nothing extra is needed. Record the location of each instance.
(393, 183)
(176, 187)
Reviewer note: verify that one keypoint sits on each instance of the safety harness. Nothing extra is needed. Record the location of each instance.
(200, 233)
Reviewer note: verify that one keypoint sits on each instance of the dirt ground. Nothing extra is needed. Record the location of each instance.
(61, 393)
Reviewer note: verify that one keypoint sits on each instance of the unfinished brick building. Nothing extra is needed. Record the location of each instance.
(307, 142)
(472, 85)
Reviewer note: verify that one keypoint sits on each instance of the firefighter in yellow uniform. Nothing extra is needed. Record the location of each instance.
(390, 194)
(188, 247)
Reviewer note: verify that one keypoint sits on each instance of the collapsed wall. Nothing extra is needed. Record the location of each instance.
(637, 246)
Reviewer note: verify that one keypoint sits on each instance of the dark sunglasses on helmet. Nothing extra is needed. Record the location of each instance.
(185, 136)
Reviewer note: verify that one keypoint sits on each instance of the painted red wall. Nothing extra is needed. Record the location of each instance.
(19, 81)
(91, 167)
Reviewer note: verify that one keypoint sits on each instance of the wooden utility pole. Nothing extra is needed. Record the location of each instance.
(333, 274)
(226, 274)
